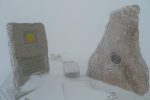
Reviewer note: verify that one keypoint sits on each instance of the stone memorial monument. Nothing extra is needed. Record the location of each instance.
(28, 49)
(117, 59)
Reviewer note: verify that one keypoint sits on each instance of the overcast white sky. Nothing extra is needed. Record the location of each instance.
(74, 27)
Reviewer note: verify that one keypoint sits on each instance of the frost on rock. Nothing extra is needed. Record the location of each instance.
(28, 50)
(117, 59)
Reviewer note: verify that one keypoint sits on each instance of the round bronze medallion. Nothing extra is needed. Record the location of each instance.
(116, 59)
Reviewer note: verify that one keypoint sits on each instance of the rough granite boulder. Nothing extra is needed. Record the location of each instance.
(117, 59)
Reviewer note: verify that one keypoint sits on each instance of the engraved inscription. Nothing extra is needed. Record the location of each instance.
(31, 65)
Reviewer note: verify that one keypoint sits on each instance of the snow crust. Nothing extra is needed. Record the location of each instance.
(56, 86)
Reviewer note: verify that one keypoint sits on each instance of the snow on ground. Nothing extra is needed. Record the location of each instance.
(55, 86)
(119, 92)
(80, 89)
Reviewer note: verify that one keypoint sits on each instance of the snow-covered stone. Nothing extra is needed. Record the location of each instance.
(28, 50)
(71, 69)
(117, 59)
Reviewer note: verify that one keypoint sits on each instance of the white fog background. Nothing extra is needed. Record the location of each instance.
(73, 27)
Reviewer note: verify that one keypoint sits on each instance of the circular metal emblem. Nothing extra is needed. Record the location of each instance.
(116, 59)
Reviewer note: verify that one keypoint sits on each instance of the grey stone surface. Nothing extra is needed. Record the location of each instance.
(117, 59)
(28, 50)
